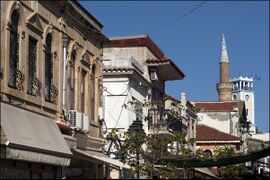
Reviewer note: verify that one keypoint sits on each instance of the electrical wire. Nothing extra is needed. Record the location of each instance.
(121, 110)
(105, 89)
(177, 19)
(111, 116)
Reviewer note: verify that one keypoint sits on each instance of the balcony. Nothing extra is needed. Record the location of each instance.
(51, 93)
(34, 87)
(16, 80)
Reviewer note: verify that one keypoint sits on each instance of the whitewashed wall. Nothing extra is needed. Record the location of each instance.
(226, 122)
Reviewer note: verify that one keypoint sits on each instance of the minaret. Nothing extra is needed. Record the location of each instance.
(224, 87)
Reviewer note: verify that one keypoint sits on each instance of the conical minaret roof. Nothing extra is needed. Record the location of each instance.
(224, 53)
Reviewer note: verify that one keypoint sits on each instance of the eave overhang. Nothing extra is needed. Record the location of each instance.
(166, 69)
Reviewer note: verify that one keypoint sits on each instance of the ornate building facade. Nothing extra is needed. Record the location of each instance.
(51, 70)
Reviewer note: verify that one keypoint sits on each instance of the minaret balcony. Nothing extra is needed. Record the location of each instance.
(226, 85)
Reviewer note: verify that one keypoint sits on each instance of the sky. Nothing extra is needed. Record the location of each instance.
(193, 41)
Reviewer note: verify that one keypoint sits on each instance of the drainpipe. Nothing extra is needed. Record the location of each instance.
(65, 44)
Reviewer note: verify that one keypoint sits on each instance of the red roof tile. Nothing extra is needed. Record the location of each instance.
(206, 133)
(216, 106)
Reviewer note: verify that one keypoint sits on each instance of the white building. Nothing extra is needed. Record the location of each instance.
(242, 89)
(134, 69)
(223, 116)
(259, 141)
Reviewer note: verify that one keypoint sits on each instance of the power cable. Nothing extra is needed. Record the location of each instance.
(111, 116)
(105, 89)
(177, 19)
(121, 110)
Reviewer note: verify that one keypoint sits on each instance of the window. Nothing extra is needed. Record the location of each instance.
(234, 97)
(72, 81)
(13, 50)
(83, 86)
(247, 112)
(48, 67)
(247, 97)
(207, 154)
(33, 82)
(92, 95)
(138, 108)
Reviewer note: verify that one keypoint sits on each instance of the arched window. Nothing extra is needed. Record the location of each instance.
(83, 90)
(33, 83)
(48, 67)
(72, 80)
(13, 50)
(92, 93)
(207, 154)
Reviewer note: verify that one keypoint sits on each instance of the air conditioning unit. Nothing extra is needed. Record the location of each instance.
(86, 123)
(75, 119)
(153, 75)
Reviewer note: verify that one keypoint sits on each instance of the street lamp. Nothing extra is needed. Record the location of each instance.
(135, 129)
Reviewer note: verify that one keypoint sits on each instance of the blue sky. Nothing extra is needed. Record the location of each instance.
(194, 42)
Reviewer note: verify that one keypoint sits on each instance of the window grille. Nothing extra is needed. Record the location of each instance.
(83, 86)
(93, 92)
(50, 90)
(16, 77)
(72, 80)
(34, 84)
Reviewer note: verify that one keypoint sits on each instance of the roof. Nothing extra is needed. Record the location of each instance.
(107, 70)
(143, 40)
(166, 61)
(117, 69)
(136, 40)
(224, 53)
(206, 133)
(216, 106)
(88, 13)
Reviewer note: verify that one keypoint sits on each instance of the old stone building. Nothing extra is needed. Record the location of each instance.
(50, 75)
(188, 119)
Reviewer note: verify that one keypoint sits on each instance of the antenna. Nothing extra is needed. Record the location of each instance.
(255, 76)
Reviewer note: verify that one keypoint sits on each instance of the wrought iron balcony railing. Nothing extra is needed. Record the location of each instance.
(51, 93)
(34, 87)
(16, 80)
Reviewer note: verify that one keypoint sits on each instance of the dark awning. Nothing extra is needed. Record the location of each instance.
(238, 159)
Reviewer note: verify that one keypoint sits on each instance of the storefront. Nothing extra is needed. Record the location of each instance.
(89, 164)
(32, 145)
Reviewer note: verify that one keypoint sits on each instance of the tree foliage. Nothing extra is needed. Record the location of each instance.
(231, 171)
(154, 145)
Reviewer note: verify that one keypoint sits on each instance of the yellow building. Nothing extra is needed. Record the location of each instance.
(51, 70)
